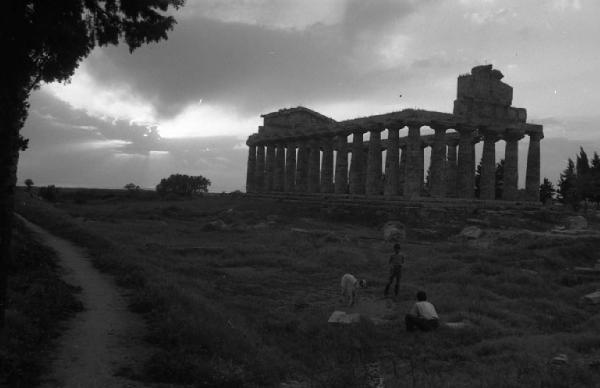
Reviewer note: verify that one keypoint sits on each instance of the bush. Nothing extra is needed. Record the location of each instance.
(49, 193)
(181, 184)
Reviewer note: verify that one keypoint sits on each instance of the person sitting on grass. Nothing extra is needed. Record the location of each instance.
(395, 263)
(350, 286)
(422, 316)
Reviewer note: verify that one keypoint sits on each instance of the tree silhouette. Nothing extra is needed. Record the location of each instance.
(499, 186)
(546, 190)
(29, 184)
(44, 41)
(181, 184)
(567, 185)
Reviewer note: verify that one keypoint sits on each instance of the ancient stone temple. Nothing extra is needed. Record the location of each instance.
(298, 150)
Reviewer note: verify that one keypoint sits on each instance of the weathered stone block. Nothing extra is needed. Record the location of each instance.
(471, 232)
(577, 223)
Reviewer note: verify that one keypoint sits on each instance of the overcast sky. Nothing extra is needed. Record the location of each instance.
(186, 105)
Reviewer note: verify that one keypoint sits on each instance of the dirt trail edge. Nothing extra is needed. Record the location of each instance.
(104, 337)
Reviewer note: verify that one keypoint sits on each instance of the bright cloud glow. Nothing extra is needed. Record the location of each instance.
(88, 94)
(199, 120)
(111, 104)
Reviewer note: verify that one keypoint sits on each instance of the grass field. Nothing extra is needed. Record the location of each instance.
(238, 292)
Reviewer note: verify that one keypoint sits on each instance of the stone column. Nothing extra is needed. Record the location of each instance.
(466, 172)
(269, 167)
(279, 174)
(341, 165)
(357, 165)
(302, 167)
(402, 170)
(438, 157)
(327, 166)
(511, 166)
(290, 168)
(259, 176)
(414, 162)
(314, 161)
(251, 169)
(487, 182)
(532, 177)
(392, 166)
(373, 179)
(451, 169)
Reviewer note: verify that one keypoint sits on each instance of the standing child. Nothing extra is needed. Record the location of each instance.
(395, 263)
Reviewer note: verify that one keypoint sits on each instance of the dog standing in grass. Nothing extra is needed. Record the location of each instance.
(350, 286)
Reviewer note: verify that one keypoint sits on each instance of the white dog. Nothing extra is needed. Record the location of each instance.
(350, 286)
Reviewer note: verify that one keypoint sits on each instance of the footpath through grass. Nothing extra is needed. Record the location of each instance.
(38, 304)
(237, 293)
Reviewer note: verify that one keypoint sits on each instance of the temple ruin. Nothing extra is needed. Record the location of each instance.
(298, 150)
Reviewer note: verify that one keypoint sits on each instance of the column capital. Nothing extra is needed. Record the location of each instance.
(452, 142)
(376, 127)
(465, 128)
(513, 134)
(414, 124)
(397, 124)
(536, 136)
(490, 134)
(440, 127)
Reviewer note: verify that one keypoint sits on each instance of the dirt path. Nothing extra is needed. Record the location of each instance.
(104, 337)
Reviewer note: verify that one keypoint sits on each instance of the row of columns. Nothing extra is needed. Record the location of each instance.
(297, 166)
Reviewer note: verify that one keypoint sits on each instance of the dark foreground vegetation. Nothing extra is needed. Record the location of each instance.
(38, 304)
(237, 292)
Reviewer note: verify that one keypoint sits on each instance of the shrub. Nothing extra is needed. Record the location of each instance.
(49, 193)
(182, 184)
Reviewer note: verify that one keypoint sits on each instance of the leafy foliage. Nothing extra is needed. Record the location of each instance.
(29, 183)
(182, 184)
(131, 187)
(547, 190)
(580, 180)
(49, 193)
(499, 180)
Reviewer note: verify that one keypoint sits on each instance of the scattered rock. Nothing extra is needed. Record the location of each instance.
(294, 384)
(342, 317)
(273, 218)
(477, 221)
(593, 298)
(459, 325)
(471, 232)
(215, 225)
(577, 223)
(560, 359)
(529, 271)
(394, 231)
(594, 363)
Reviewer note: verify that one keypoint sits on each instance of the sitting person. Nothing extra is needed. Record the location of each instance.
(422, 316)
(350, 286)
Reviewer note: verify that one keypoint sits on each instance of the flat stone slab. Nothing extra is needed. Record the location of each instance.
(342, 317)
(593, 298)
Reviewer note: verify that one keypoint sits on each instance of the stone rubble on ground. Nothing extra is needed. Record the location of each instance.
(560, 359)
(593, 298)
(576, 223)
(342, 317)
(471, 232)
(394, 231)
